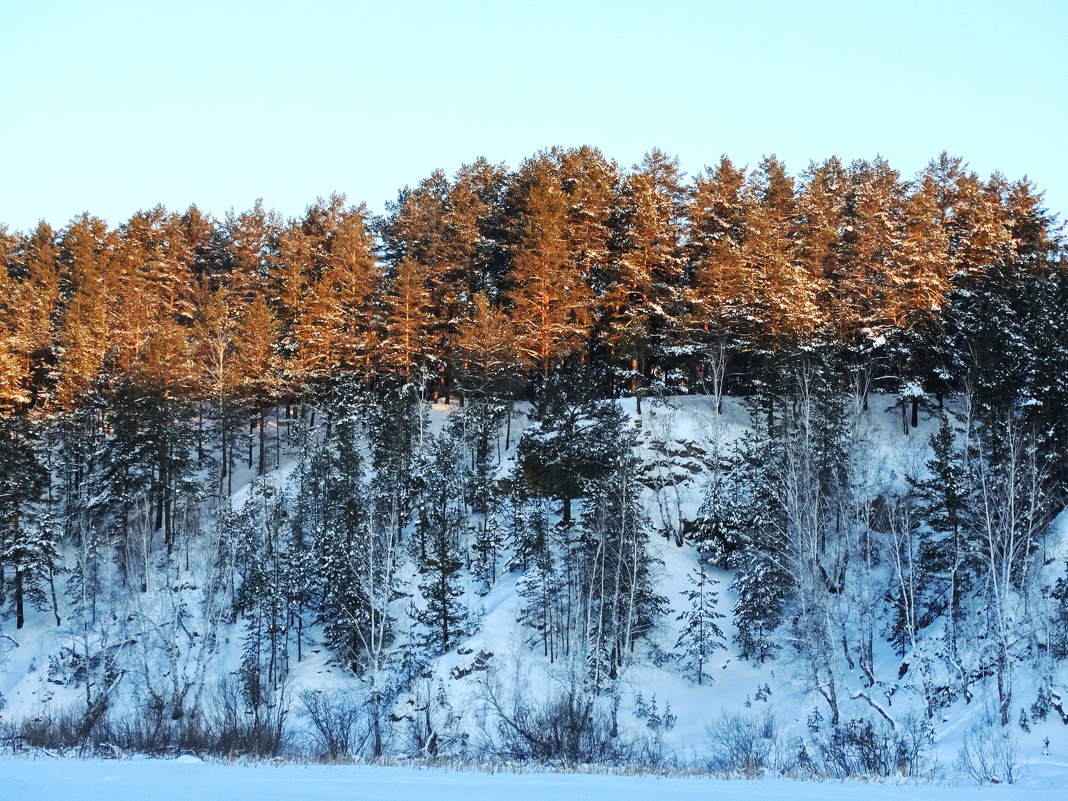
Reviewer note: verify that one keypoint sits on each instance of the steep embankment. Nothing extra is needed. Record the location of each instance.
(180, 638)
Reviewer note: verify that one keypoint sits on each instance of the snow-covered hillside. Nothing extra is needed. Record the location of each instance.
(180, 638)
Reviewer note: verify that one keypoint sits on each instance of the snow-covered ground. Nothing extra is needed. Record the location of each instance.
(181, 779)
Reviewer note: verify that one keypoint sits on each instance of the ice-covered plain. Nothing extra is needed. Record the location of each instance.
(191, 780)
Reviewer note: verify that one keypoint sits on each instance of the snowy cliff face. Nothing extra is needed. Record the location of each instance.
(831, 597)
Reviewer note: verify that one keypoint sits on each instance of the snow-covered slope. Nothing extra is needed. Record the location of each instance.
(665, 715)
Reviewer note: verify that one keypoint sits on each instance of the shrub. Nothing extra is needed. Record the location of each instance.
(990, 754)
(334, 719)
(861, 748)
(743, 745)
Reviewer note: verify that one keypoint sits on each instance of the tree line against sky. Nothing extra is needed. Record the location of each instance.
(568, 260)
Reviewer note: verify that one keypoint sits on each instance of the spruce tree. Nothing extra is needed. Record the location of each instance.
(439, 523)
(944, 498)
(760, 580)
(445, 614)
(611, 566)
(701, 635)
(28, 553)
(571, 439)
(540, 586)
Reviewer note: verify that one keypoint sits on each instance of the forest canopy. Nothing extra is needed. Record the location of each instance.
(493, 279)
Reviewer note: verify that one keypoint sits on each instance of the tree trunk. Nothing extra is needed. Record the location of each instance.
(377, 749)
(224, 464)
(52, 585)
(168, 501)
(230, 462)
(634, 388)
(508, 427)
(20, 617)
(160, 481)
(262, 466)
(168, 535)
(1004, 684)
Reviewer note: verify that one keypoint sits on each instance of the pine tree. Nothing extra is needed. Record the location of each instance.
(406, 349)
(591, 185)
(486, 347)
(924, 273)
(88, 251)
(33, 304)
(160, 425)
(546, 288)
(248, 244)
(327, 284)
(721, 292)
(256, 366)
(429, 241)
(353, 269)
(213, 336)
(643, 286)
(866, 286)
(476, 219)
(820, 206)
(921, 296)
(15, 365)
(783, 308)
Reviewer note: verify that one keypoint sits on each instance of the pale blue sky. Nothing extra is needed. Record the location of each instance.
(112, 107)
